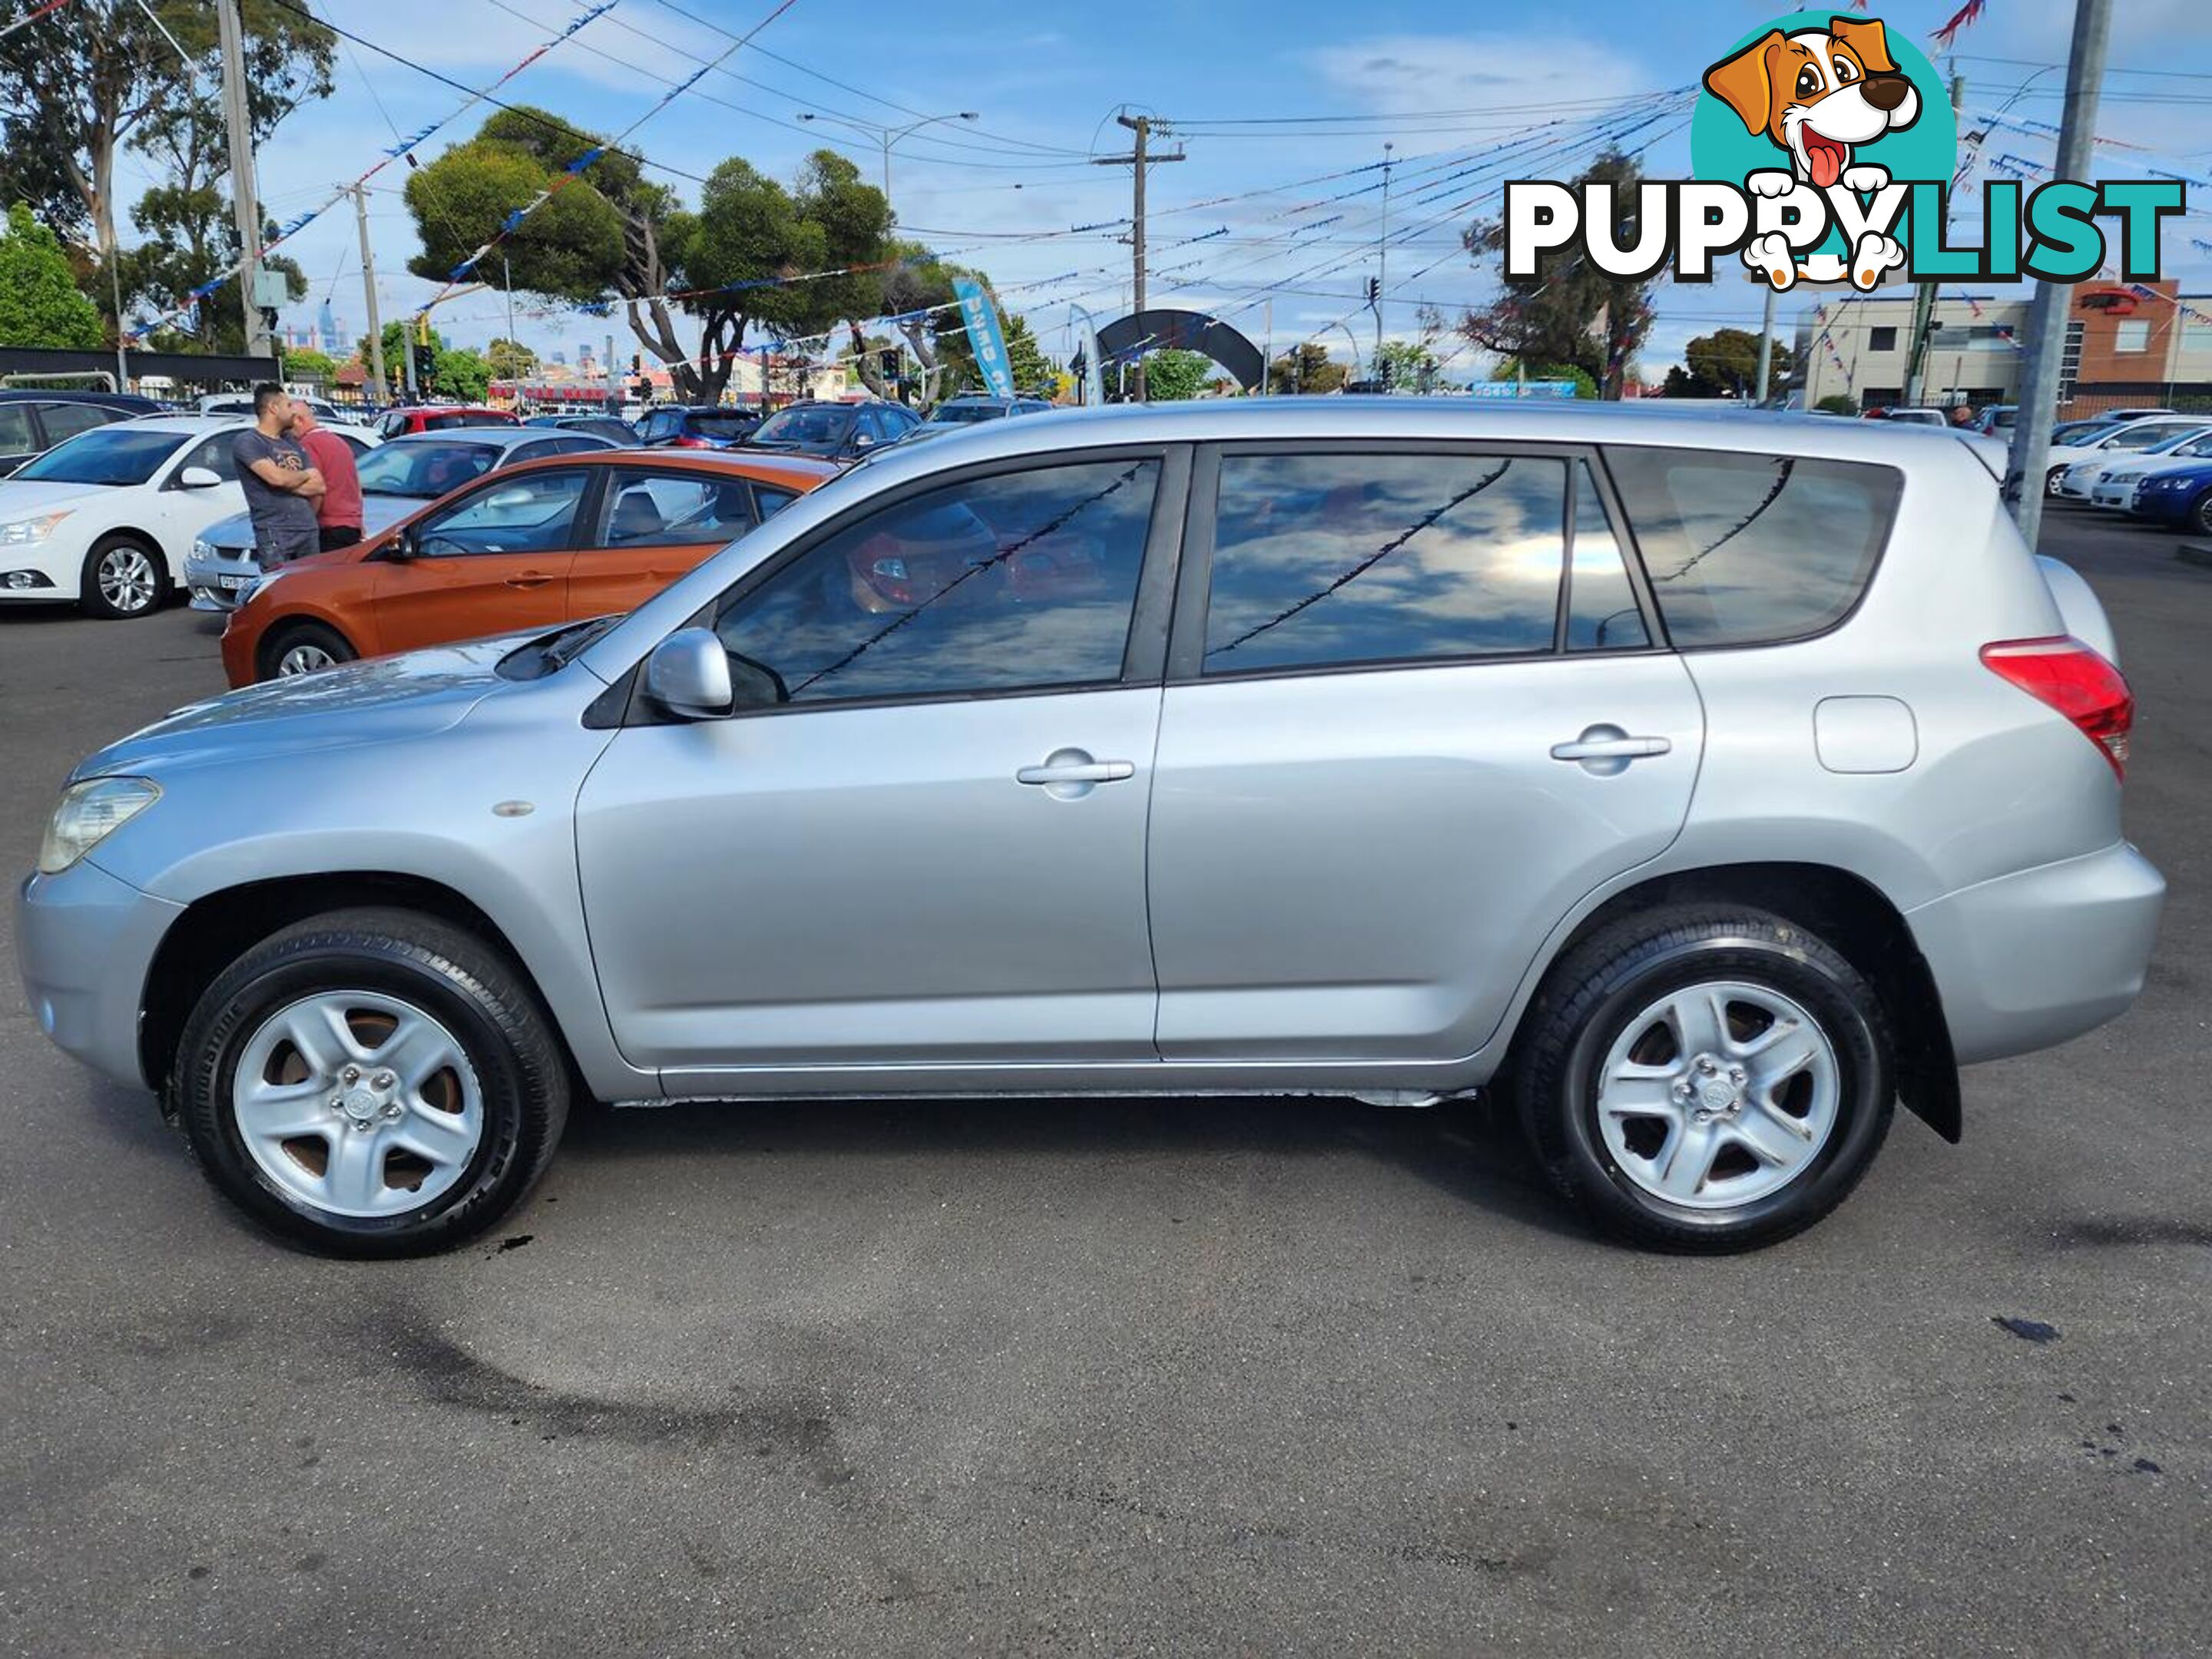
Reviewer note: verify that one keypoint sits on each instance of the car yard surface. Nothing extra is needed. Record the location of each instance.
(1036, 1377)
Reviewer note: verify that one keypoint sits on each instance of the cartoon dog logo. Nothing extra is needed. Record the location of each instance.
(1817, 95)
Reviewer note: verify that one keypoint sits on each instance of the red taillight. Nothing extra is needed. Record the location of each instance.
(2075, 681)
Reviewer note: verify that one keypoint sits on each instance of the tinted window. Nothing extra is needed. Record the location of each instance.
(723, 428)
(17, 435)
(67, 420)
(806, 426)
(106, 455)
(426, 471)
(771, 502)
(461, 417)
(1323, 559)
(670, 509)
(393, 424)
(1602, 613)
(530, 513)
(1745, 550)
(1023, 579)
(964, 414)
(213, 453)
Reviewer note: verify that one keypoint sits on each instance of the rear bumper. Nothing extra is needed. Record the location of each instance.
(2032, 959)
(84, 941)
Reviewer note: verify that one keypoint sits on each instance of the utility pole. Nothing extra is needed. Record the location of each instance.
(2046, 317)
(1382, 266)
(1923, 303)
(1138, 158)
(1268, 351)
(245, 200)
(1766, 342)
(383, 387)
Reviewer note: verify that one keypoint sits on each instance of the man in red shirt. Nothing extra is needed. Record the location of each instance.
(338, 513)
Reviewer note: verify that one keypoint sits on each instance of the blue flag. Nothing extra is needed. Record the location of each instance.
(984, 336)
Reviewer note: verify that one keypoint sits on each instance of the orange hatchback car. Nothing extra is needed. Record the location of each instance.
(530, 547)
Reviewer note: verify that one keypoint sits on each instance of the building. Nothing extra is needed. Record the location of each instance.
(2126, 344)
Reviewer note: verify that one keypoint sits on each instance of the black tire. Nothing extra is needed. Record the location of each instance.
(289, 636)
(2201, 514)
(2051, 482)
(93, 600)
(1587, 1002)
(480, 999)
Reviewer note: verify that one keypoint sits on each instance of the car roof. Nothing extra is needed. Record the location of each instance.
(57, 395)
(800, 472)
(184, 423)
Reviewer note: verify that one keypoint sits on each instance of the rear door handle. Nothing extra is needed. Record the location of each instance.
(1606, 750)
(1071, 773)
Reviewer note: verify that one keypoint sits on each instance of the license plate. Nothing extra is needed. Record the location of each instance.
(232, 584)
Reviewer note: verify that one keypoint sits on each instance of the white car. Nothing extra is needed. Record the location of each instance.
(241, 403)
(2112, 483)
(104, 521)
(2122, 442)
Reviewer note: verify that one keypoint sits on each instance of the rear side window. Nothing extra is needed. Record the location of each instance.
(1752, 549)
(1326, 560)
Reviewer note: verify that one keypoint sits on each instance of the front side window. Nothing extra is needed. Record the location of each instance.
(673, 509)
(1752, 550)
(531, 512)
(1328, 560)
(1021, 581)
(213, 453)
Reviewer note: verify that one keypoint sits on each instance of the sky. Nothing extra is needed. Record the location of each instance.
(1273, 105)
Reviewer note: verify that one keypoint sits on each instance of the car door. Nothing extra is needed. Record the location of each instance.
(654, 524)
(178, 514)
(492, 560)
(927, 846)
(1397, 745)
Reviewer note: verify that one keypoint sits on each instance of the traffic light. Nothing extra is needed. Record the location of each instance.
(426, 364)
(1374, 289)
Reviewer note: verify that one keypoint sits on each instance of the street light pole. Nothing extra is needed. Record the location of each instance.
(1382, 259)
(887, 136)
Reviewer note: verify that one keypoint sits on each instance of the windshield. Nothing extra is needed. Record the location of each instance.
(805, 426)
(106, 455)
(728, 428)
(2175, 440)
(426, 471)
(2138, 437)
(964, 414)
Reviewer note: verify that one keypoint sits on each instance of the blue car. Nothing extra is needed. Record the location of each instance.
(2180, 496)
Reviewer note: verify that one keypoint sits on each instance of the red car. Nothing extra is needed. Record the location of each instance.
(441, 417)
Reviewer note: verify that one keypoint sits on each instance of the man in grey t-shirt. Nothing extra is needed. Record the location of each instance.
(280, 486)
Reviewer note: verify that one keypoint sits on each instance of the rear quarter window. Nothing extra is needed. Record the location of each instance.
(1753, 549)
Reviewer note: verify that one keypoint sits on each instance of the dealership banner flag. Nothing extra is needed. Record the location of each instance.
(984, 335)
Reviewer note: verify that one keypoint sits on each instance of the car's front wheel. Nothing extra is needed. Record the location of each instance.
(122, 578)
(372, 1082)
(1705, 1080)
(2053, 481)
(305, 647)
(2200, 516)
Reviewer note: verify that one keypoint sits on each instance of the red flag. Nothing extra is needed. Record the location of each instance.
(1966, 14)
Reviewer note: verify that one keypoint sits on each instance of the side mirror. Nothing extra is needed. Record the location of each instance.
(688, 675)
(198, 478)
(864, 440)
(401, 548)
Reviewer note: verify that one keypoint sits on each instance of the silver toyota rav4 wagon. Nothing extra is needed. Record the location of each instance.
(1702, 785)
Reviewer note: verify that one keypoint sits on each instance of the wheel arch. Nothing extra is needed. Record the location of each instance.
(216, 929)
(1852, 915)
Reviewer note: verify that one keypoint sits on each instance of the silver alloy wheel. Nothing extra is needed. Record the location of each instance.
(357, 1103)
(126, 578)
(1719, 1095)
(304, 659)
(2052, 481)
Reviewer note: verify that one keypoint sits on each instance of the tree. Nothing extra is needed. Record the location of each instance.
(1838, 402)
(1725, 364)
(40, 304)
(462, 374)
(306, 364)
(83, 82)
(1309, 368)
(1407, 365)
(510, 359)
(1176, 377)
(1585, 384)
(1031, 370)
(1569, 311)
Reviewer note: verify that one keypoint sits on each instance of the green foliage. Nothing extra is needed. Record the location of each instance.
(307, 364)
(463, 374)
(1569, 312)
(1407, 365)
(1308, 369)
(1838, 402)
(510, 359)
(1725, 364)
(1176, 377)
(570, 248)
(40, 304)
(1032, 370)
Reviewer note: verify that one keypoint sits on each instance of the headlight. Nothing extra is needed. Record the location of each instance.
(88, 814)
(20, 532)
(202, 550)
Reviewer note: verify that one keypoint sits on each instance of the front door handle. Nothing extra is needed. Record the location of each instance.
(1071, 773)
(1606, 750)
(527, 580)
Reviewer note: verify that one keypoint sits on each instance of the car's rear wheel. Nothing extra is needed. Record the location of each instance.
(306, 647)
(1705, 1080)
(2201, 514)
(124, 577)
(373, 1083)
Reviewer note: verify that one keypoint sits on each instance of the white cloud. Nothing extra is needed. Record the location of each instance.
(1405, 74)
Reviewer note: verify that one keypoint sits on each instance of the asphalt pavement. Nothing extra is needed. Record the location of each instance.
(1208, 1376)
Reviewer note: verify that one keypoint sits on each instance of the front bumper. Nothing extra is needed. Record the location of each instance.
(216, 583)
(2074, 488)
(2115, 495)
(2030, 960)
(84, 941)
